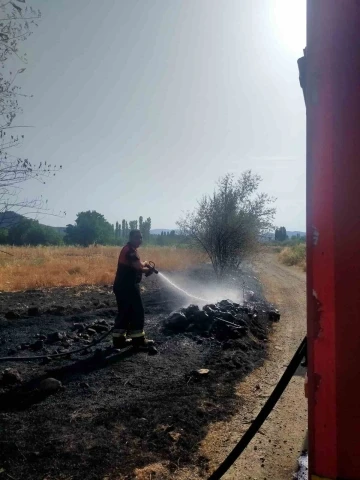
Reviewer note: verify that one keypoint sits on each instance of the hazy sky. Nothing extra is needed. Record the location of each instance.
(146, 103)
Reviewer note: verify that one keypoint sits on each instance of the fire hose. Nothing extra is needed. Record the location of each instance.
(56, 355)
(263, 414)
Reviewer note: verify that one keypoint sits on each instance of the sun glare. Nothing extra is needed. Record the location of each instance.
(288, 18)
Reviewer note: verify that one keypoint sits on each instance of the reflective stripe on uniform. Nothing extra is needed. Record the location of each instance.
(136, 333)
(118, 333)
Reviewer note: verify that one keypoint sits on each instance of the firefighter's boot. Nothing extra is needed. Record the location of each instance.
(142, 342)
(119, 339)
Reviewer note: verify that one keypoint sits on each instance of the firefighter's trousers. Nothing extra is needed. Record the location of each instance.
(129, 322)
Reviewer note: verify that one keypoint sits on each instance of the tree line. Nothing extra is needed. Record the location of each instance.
(89, 228)
(282, 236)
(122, 230)
(29, 232)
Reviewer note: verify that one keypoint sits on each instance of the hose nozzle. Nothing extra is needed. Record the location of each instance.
(152, 266)
(152, 269)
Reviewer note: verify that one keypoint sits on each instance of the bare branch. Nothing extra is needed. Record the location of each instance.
(14, 171)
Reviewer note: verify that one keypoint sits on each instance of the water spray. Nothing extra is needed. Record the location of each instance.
(152, 269)
(181, 289)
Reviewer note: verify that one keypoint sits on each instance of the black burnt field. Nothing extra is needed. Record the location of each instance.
(105, 412)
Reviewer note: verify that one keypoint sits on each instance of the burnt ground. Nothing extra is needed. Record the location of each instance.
(118, 410)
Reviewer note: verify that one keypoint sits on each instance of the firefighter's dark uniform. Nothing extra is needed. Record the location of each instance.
(129, 322)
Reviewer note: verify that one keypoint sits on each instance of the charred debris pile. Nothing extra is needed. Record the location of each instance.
(225, 320)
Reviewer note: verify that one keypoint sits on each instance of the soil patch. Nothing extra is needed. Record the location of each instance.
(114, 413)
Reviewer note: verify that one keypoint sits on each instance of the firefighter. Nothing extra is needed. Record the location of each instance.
(129, 322)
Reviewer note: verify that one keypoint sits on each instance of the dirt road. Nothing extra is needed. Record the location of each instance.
(273, 453)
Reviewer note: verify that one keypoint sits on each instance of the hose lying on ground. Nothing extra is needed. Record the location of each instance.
(263, 414)
(56, 355)
(65, 354)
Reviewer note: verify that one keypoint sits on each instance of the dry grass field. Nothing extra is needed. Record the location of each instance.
(39, 267)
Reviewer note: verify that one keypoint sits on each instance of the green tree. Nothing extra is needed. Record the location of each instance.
(160, 239)
(280, 234)
(227, 224)
(123, 229)
(42, 235)
(146, 229)
(18, 232)
(4, 236)
(141, 220)
(133, 225)
(30, 232)
(90, 227)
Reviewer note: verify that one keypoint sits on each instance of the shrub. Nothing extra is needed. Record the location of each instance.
(295, 255)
